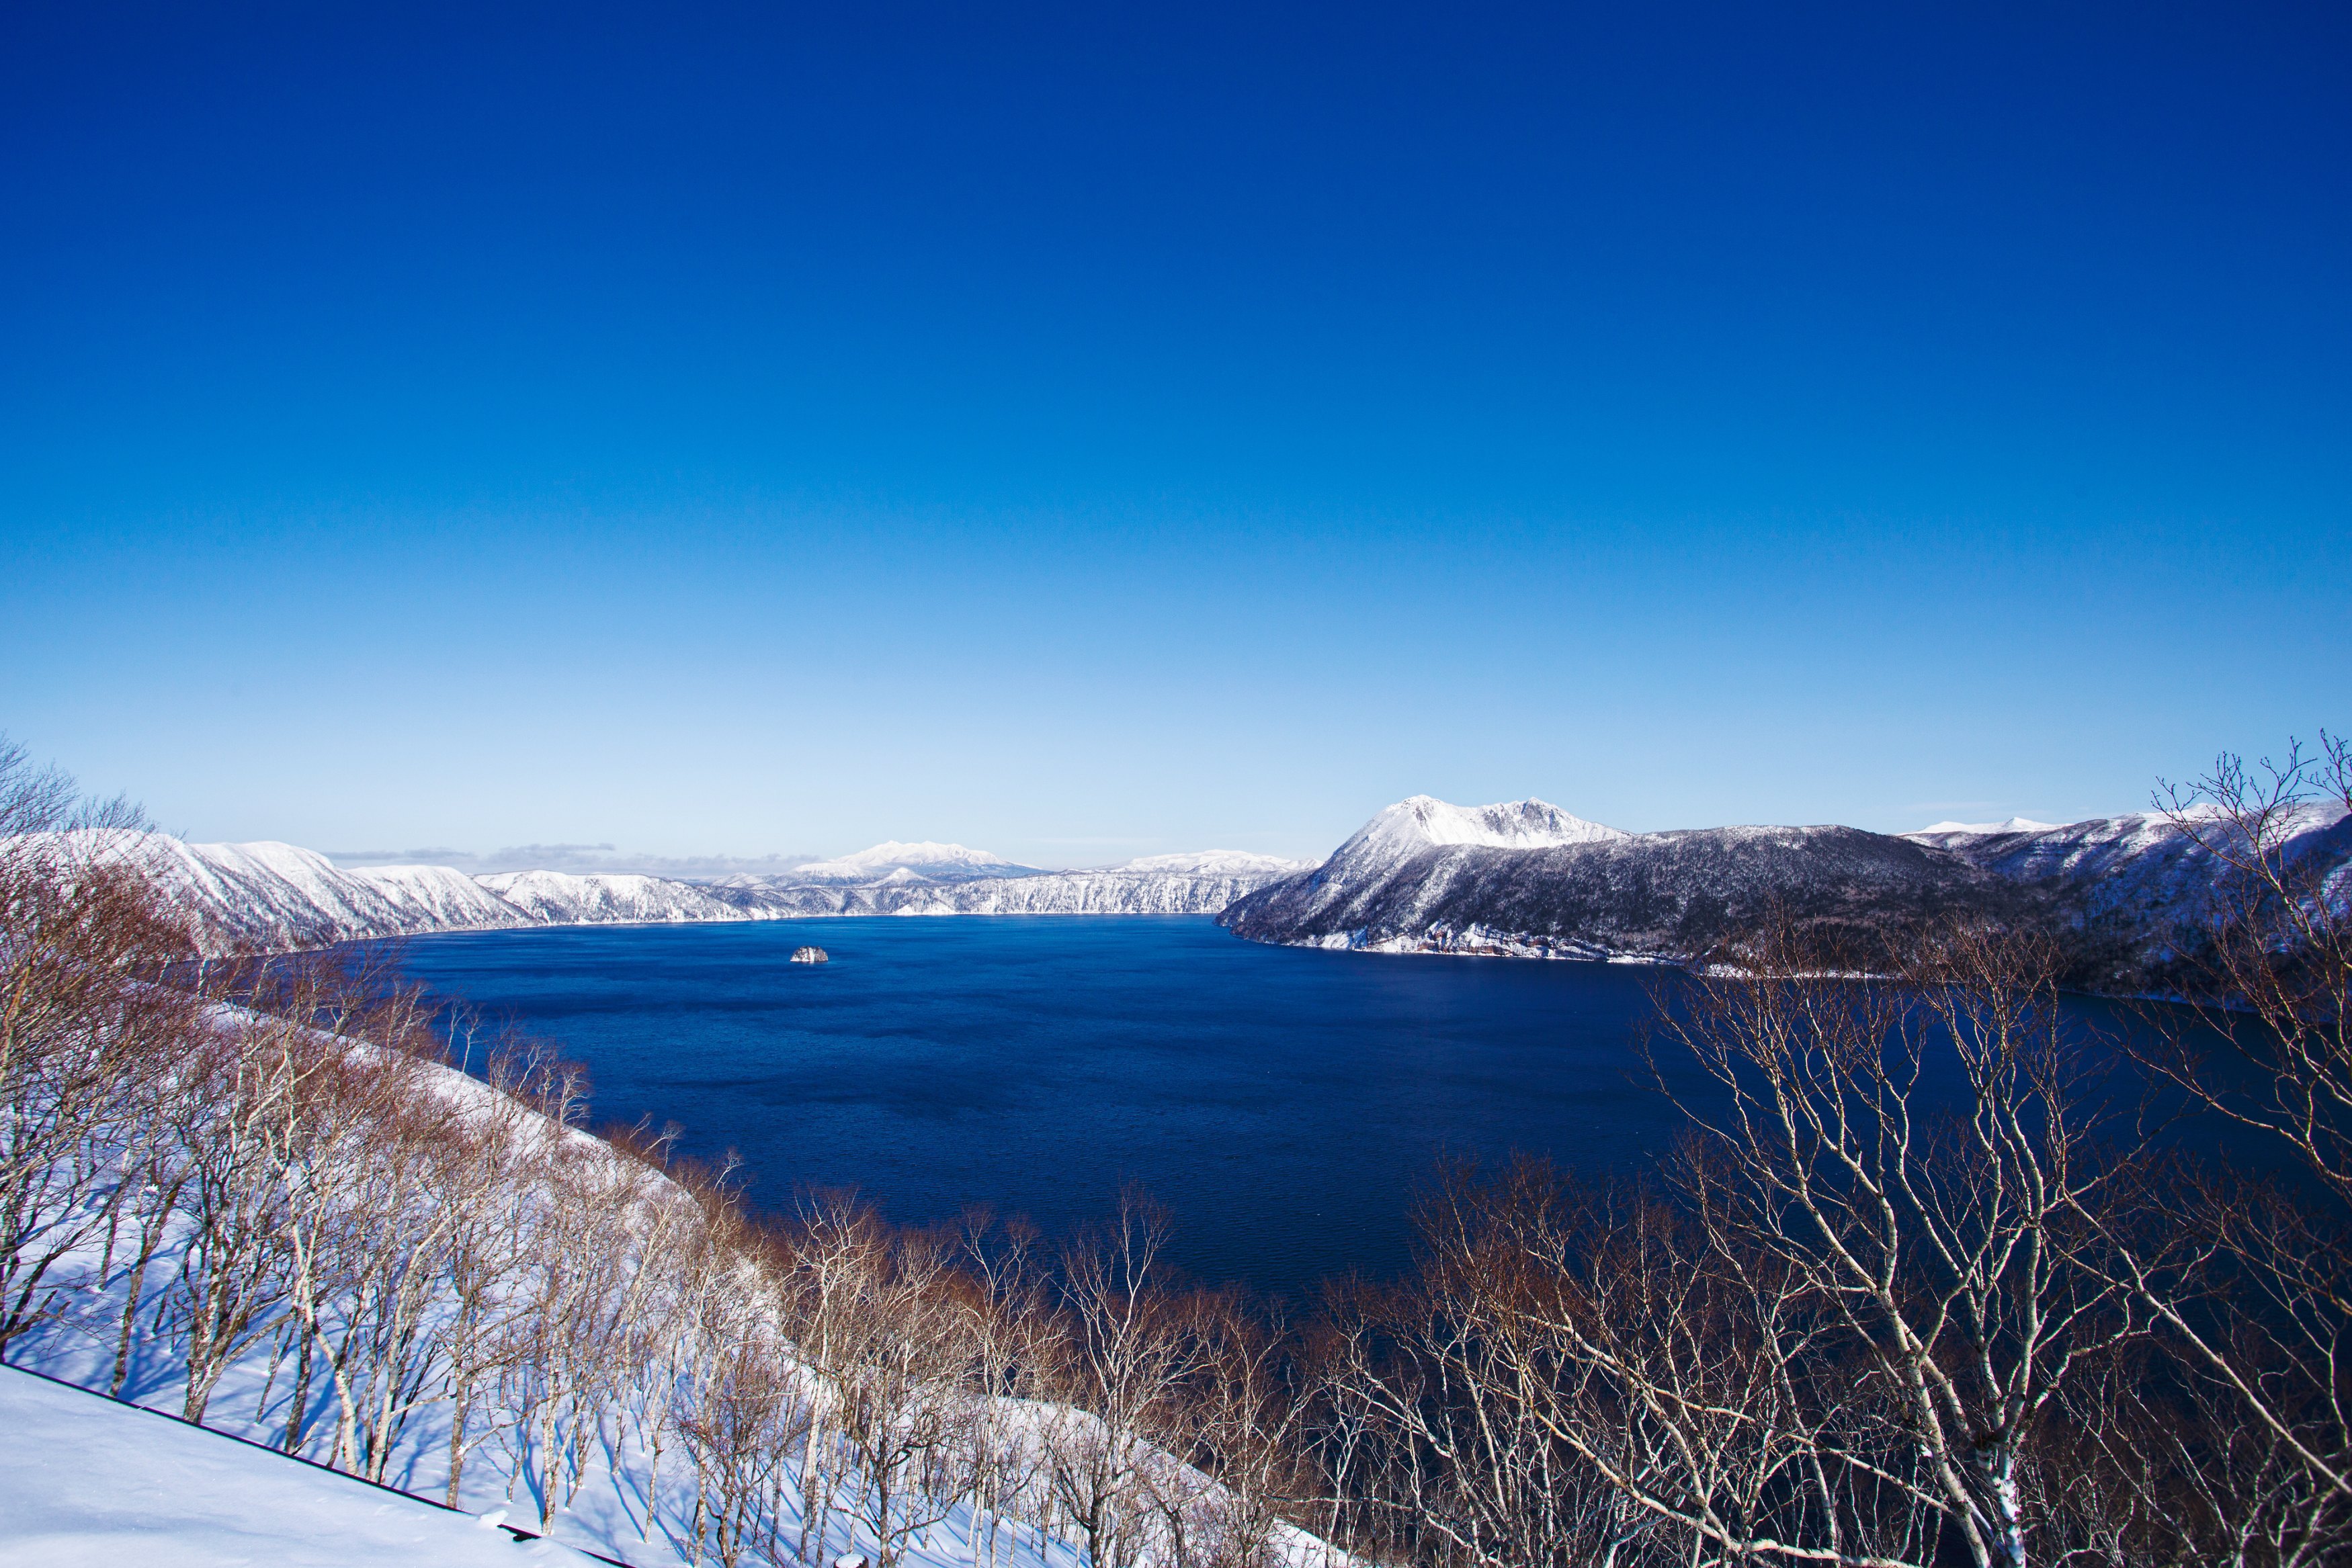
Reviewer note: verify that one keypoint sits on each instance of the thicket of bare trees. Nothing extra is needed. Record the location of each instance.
(265, 1179)
(1944, 1271)
(1941, 1272)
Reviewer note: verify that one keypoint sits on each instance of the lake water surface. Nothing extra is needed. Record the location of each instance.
(1283, 1103)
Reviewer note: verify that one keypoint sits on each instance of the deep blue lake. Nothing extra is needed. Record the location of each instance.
(1282, 1103)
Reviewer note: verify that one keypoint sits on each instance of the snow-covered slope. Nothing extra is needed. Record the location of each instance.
(2137, 872)
(426, 897)
(1527, 879)
(1213, 863)
(92, 1482)
(558, 898)
(1121, 890)
(1201, 884)
(1423, 821)
(272, 897)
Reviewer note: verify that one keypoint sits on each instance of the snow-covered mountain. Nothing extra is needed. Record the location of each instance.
(558, 898)
(269, 896)
(925, 861)
(1527, 879)
(2134, 874)
(275, 897)
(1200, 884)
(1213, 863)
(1423, 821)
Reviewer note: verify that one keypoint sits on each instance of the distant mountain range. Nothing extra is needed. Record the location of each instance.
(276, 897)
(1157, 884)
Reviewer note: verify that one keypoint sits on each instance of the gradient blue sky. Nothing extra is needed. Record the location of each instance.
(1092, 432)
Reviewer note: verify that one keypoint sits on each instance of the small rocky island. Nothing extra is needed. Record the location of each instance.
(811, 955)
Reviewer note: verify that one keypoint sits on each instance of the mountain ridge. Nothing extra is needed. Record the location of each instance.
(269, 896)
(1415, 879)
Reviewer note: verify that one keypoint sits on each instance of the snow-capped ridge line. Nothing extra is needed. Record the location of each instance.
(1527, 879)
(932, 861)
(267, 897)
(1425, 821)
(271, 897)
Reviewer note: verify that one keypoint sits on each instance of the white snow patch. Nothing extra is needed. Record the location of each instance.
(91, 1483)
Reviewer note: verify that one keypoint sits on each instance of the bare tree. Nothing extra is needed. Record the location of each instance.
(231, 1280)
(1011, 1333)
(1116, 1379)
(744, 1415)
(885, 1325)
(88, 1030)
(1839, 1331)
(1949, 1249)
(2268, 960)
(1464, 1421)
(1232, 1437)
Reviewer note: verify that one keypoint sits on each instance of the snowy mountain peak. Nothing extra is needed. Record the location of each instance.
(936, 863)
(1423, 821)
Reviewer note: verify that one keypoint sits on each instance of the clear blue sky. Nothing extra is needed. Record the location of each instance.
(1092, 432)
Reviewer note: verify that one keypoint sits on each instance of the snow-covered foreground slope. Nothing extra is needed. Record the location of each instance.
(92, 1482)
(608, 1320)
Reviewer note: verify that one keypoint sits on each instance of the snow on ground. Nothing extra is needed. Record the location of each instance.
(82, 1475)
(618, 1513)
(91, 1481)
